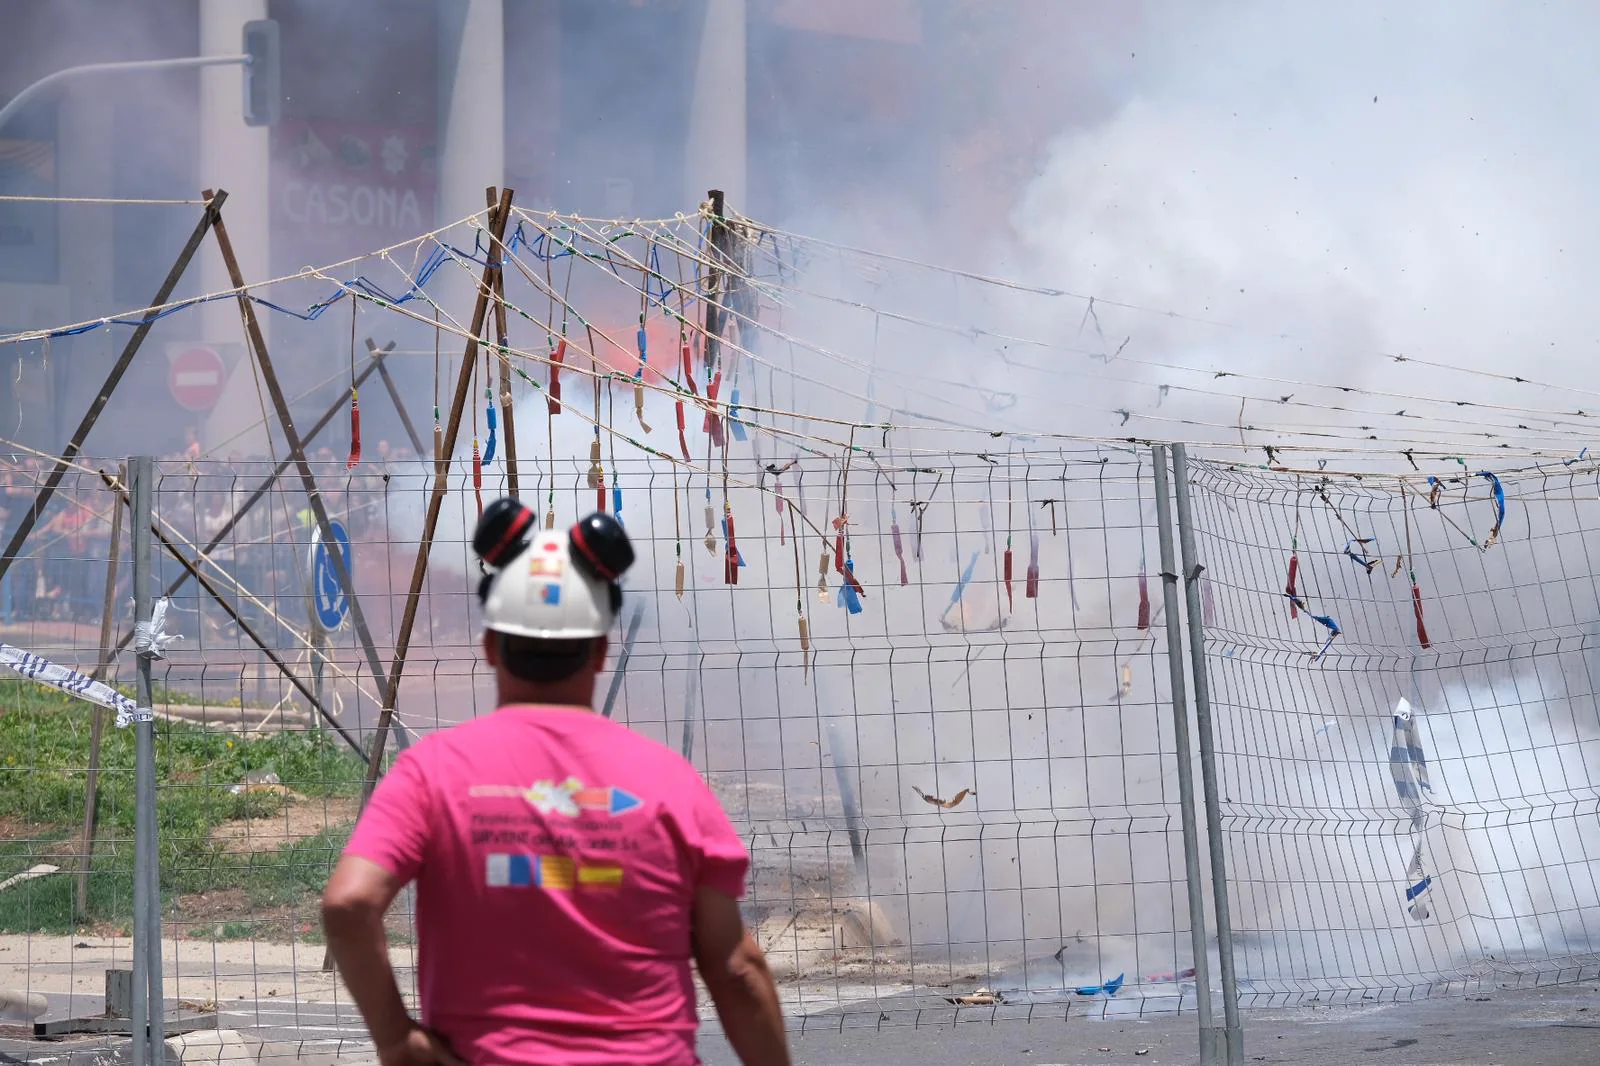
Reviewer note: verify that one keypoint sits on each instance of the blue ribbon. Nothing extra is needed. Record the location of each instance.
(1499, 502)
(1360, 558)
(847, 594)
(1333, 631)
(961, 586)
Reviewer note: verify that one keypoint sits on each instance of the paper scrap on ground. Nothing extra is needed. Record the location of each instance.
(41, 870)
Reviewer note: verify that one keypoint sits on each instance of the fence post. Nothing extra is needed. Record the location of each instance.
(148, 1003)
(1213, 1047)
(97, 724)
(1208, 758)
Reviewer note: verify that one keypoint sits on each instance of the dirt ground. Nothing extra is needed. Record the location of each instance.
(300, 817)
(197, 971)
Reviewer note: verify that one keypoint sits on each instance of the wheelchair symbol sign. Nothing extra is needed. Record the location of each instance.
(327, 594)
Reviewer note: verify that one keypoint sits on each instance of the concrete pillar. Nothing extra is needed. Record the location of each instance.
(235, 157)
(472, 116)
(716, 153)
(472, 104)
(85, 168)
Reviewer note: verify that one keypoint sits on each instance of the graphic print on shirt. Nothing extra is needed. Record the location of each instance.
(594, 813)
(569, 797)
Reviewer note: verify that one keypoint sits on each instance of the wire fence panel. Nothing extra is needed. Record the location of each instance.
(1410, 803)
(958, 788)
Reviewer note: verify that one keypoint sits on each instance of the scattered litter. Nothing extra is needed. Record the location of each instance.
(982, 997)
(941, 803)
(1110, 988)
(42, 870)
(259, 781)
(1169, 978)
(1325, 726)
(1141, 1051)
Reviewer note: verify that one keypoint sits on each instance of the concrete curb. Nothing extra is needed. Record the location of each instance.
(231, 1046)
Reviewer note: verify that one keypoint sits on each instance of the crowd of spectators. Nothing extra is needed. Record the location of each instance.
(59, 574)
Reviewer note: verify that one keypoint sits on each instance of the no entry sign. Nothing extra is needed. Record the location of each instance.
(195, 377)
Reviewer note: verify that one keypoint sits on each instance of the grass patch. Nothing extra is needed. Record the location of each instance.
(44, 744)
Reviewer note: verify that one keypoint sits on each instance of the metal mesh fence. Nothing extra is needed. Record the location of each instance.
(959, 800)
(1414, 810)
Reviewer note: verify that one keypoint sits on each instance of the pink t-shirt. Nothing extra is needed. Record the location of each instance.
(556, 856)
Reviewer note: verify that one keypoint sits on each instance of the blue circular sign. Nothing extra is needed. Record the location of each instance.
(327, 594)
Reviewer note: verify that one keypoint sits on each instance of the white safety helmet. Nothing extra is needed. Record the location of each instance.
(550, 584)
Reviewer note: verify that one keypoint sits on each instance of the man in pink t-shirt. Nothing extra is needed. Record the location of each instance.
(567, 869)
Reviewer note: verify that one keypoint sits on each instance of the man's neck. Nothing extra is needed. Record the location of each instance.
(547, 696)
(559, 704)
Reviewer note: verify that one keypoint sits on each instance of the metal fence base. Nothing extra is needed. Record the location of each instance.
(118, 1016)
(180, 1022)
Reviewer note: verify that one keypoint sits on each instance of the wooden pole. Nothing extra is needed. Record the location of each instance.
(716, 248)
(394, 394)
(211, 216)
(508, 417)
(419, 572)
(97, 724)
(297, 452)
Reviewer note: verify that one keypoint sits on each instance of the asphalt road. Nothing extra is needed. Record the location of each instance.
(1557, 1026)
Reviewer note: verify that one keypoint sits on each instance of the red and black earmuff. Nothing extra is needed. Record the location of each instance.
(600, 546)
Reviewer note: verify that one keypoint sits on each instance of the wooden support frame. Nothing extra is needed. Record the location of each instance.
(419, 572)
(97, 724)
(297, 453)
(498, 216)
(261, 490)
(210, 217)
(193, 567)
(508, 415)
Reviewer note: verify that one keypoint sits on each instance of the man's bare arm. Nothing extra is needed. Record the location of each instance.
(353, 906)
(735, 972)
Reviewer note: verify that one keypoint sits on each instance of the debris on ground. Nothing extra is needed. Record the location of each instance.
(1170, 978)
(257, 781)
(1110, 988)
(942, 803)
(43, 869)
